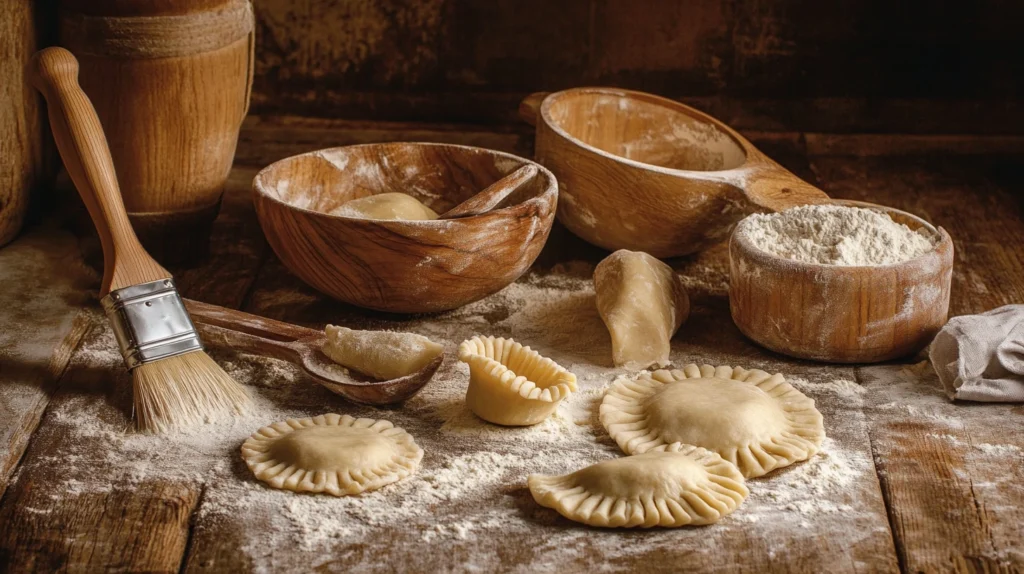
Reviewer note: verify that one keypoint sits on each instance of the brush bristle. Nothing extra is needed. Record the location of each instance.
(185, 390)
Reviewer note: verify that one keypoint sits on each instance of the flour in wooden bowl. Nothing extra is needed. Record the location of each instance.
(835, 235)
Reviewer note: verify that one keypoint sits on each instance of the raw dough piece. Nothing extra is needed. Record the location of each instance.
(383, 355)
(386, 206)
(336, 454)
(510, 384)
(754, 420)
(643, 303)
(670, 485)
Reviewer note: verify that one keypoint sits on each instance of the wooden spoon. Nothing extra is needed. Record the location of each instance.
(493, 194)
(230, 329)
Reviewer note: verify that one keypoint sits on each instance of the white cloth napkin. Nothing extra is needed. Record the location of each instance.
(981, 357)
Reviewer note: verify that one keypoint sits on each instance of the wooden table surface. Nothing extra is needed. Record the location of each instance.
(944, 485)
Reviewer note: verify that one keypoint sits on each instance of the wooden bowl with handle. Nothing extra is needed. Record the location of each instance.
(842, 314)
(398, 265)
(645, 173)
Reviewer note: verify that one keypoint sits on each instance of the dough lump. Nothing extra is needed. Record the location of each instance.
(331, 453)
(390, 205)
(643, 303)
(510, 384)
(670, 485)
(754, 420)
(383, 355)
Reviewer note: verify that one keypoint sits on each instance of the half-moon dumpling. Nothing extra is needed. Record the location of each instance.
(383, 355)
(510, 384)
(336, 454)
(670, 485)
(391, 205)
(754, 420)
(643, 303)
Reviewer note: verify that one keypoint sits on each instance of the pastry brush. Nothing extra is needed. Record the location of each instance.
(176, 384)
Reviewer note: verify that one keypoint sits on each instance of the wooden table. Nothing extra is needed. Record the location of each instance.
(938, 487)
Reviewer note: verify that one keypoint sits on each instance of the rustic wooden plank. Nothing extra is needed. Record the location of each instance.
(91, 493)
(264, 140)
(76, 506)
(951, 473)
(40, 299)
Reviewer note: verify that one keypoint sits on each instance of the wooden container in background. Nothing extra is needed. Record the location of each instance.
(26, 155)
(170, 80)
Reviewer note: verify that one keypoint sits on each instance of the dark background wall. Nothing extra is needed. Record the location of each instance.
(825, 65)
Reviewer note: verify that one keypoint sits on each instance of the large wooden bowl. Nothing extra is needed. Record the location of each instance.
(645, 173)
(842, 314)
(403, 266)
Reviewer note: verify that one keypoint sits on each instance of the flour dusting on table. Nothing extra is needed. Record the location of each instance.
(470, 493)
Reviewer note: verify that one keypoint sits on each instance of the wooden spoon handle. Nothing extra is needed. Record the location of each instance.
(83, 147)
(225, 338)
(771, 186)
(529, 108)
(247, 323)
(493, 194)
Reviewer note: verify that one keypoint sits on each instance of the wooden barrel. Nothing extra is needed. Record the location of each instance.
(170, 80)
(26, 154)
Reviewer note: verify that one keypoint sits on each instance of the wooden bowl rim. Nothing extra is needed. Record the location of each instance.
(549, 194)
(943, 244)
(679, 107)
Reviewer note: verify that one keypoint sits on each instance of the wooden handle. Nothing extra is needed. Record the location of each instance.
(493, 194)
(771, 186)
(207, 314)
(226, 338)
(83, 147)
(529, 108)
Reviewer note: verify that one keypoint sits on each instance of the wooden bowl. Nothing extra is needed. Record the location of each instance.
(841, 314)
(394, 265)
(645, 173)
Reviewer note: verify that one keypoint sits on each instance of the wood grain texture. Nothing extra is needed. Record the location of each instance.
(83, 147)
(841, 314)
(756, 65)
(171, 113)
(644, 173)
(41, 298)
(26, 162)
(402, 266)
(109, 520)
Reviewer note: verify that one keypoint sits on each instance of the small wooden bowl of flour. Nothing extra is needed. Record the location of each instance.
(312, 208)
(848, 282)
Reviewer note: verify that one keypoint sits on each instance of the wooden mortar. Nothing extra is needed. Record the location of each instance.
(842, 314)
(645, 173)
(170, 80)
(395, 265)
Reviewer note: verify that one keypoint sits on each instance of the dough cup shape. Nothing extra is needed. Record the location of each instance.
(754, 420)
(669, 485)
(510, 384)
(336, 454)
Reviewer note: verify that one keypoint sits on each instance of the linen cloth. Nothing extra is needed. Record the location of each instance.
(981, 357)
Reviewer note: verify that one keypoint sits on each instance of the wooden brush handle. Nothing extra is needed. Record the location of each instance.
(529, 108)
(83, 147)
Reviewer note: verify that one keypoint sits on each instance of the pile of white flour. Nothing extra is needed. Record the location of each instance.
(835, 235)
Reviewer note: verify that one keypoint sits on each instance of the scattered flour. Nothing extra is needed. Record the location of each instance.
(835, 235)
(469, 494)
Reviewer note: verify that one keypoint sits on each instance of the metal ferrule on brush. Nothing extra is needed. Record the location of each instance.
(150, 322)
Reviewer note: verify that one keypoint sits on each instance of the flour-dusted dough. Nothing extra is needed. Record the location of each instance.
(336, 454)
(510, 384)
(383, 355)
(391, 205)
(670, 485)
(643, 303)
(754, 420)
